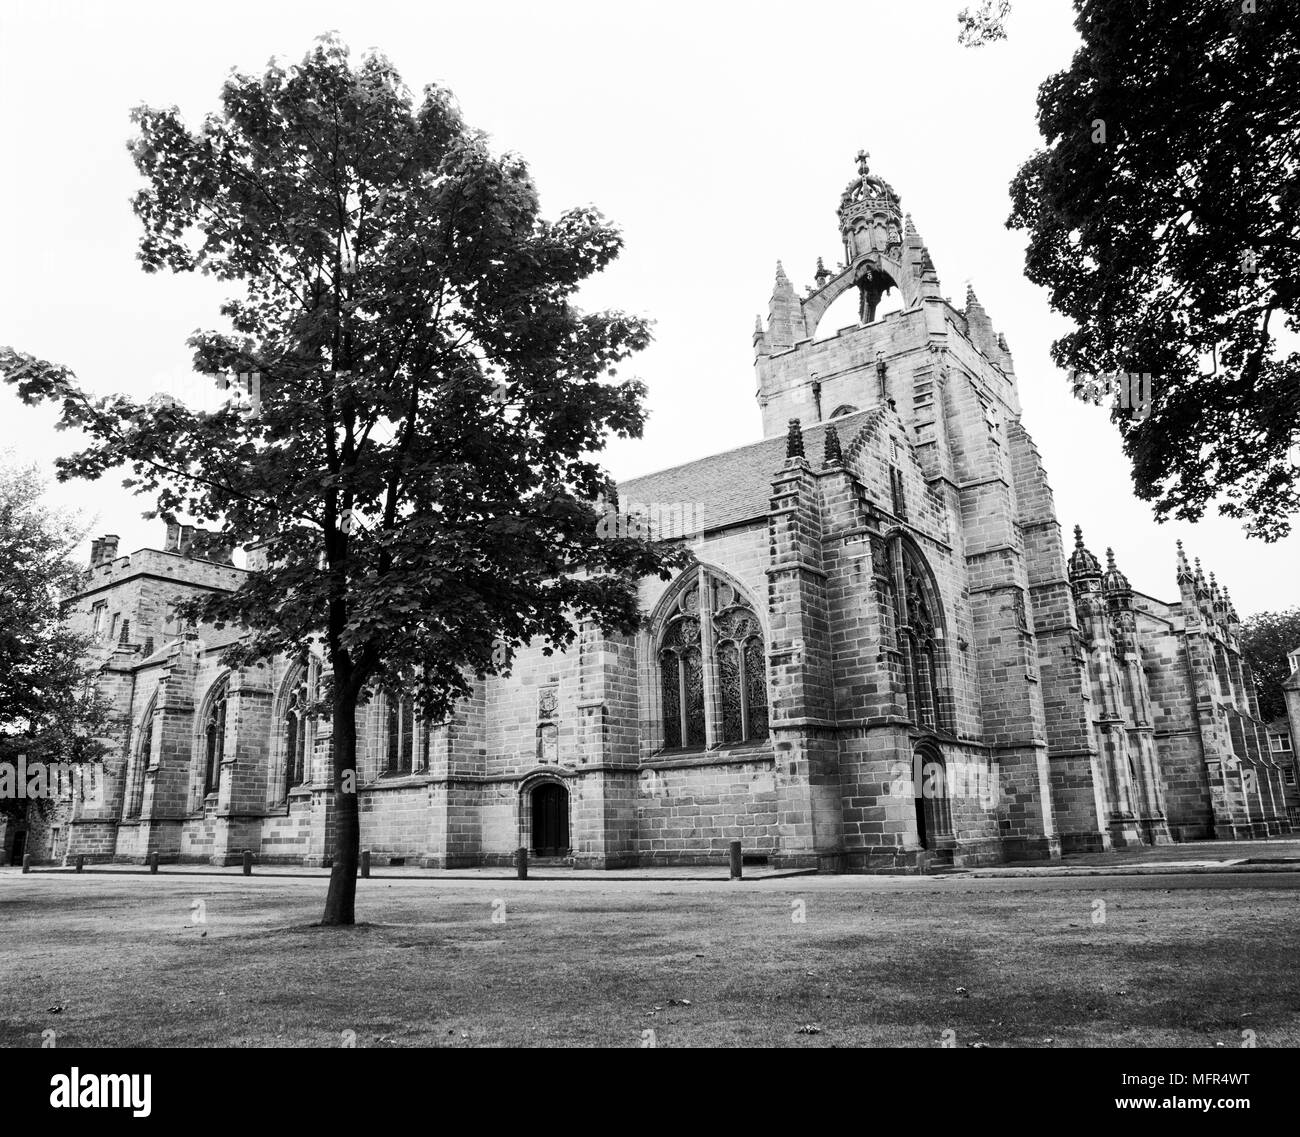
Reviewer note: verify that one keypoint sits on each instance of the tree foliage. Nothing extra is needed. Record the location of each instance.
(49, 711)
(985, 25)
(1266, 640)
(417, 462)
(1164, 219)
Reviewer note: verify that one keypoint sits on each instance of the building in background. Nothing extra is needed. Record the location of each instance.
(888, 658)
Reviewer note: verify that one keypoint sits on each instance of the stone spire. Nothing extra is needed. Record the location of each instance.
(1083, 565)
(1115, 581)
(785, 313)
(1217, 602)
(1184, 569)
(823, 274)
(794, 440)
(980, 327)
(833, 454)
(1234, 621)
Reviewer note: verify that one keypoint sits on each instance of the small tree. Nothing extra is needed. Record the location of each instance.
(1164, 217)
(415, 454)
(1266, 640)
(49, 710)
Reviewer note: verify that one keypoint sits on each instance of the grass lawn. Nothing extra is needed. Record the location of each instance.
(876, 963)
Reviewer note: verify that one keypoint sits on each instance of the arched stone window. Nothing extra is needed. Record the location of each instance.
(846, 409)
(297, 729)
(143, 759)
(733, 652)
(912, 623)
(214, 737)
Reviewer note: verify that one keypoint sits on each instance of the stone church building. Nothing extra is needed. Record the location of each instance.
(889, 657)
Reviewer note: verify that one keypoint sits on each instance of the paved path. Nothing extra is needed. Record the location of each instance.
(305, 882)
(1277, 856)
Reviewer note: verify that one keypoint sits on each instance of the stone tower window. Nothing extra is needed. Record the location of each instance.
(734, 653)
(214, 738)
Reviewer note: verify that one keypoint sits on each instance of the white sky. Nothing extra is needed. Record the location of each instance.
(717, 135)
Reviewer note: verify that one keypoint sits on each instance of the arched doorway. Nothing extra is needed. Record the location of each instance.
(550, 809)
(933, 805)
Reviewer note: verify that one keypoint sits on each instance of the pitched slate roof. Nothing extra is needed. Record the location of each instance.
(735, 485)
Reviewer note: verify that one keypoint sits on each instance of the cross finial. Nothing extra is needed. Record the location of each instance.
(1078, 536)
(863, 170)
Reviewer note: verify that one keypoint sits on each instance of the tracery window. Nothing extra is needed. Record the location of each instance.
(737, 657)
(214, 738)
(297, 727)
(910, 611)
(144, 756)
(405, 737)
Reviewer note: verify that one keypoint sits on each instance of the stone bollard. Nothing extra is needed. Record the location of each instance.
(153, 862)
(248, 862)
(27, 862)
(365, 864)
(81, 862)
(736, 861)
(521, 863)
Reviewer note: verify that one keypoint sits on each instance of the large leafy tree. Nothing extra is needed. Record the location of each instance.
(1266, 641)
(49, 710)
(416, 460)
(1164, 217)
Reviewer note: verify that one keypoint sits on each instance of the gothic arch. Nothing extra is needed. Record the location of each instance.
(210, 738)
(934, 826)
(528, 784)
(708, 663)
(292, 732)
(142, 756)
(879, 269)
(913, 618)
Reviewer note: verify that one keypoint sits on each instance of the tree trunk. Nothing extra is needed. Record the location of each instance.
(340, 902)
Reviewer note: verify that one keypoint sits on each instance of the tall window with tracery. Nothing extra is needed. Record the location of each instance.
(144, 756)
(405, 742)
(297, 728)
(214, 738)
(912, 619)
(738, 659)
